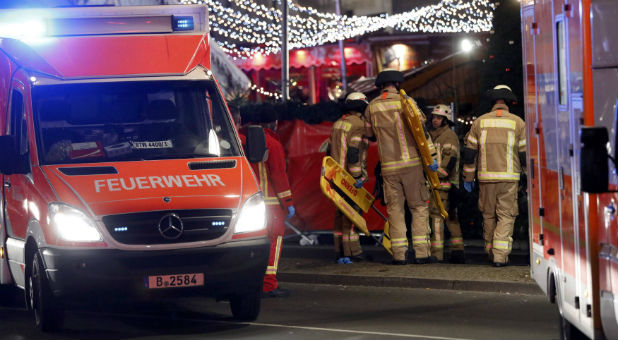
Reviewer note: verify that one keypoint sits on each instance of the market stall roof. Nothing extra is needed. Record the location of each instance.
(326, 55)
(231, 79)
(417, 77)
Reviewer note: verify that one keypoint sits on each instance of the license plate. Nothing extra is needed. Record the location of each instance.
(176, 280)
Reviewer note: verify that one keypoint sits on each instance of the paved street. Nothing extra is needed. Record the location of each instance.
(313, 312)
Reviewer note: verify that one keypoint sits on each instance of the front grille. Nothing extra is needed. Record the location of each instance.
(89, 170)
(216, 164)
(143, 228)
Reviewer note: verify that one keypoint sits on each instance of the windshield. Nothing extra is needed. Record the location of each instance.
(129, 121)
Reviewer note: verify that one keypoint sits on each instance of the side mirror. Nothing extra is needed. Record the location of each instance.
(594, 165)
(12, 162)
(256, 144)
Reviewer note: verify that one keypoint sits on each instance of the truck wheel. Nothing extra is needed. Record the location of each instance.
(568, 331)
(48, 313)
(246, 307)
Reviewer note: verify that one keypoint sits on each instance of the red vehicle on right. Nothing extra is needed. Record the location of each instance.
(570, 55)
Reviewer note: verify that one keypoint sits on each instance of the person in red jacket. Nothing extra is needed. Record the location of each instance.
(275, 185)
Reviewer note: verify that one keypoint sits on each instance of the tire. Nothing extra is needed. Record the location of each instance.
(246, 307)
(47, 311)
(568, 331)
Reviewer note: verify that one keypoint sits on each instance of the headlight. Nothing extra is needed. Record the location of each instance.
(72, 225)
(252, 215)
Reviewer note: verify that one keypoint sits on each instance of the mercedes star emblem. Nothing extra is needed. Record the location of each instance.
(170, 226)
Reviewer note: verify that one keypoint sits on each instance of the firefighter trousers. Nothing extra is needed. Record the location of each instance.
(498, 204)
(408, 186)
(276, 228)
(346, 240)
(437, 228)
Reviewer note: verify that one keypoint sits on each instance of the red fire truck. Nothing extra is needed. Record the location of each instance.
(121, 168)
(570, 53)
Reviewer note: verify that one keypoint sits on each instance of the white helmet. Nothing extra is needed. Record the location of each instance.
(356, 96)
(442, 110)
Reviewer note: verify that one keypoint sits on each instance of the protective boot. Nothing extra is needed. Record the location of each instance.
(426, 260)
(361, 257)
(457, 256)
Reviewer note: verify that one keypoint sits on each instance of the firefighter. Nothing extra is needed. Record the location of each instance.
(402, 170)
(275, 185)
(447, 145)
(348, 147)
(496, 151)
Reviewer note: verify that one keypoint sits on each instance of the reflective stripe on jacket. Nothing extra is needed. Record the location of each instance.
(396, 145)
(447, 146)
(497, 137)
(348, 133)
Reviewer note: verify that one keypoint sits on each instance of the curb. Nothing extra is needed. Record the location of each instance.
(407, 282)
(474, 255)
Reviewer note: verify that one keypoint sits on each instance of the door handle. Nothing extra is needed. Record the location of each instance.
(7, 184)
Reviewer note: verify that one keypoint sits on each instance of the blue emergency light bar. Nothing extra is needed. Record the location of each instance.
(23, 29)
(183, 23)
(80, 21)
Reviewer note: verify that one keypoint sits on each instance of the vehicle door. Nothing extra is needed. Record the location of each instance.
(16, 187)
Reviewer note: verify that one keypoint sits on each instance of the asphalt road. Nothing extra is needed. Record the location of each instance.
(312, 312)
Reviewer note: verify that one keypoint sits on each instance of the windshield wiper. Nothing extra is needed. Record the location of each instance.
(179, 156)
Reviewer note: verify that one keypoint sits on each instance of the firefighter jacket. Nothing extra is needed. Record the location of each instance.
(272, 175)
(447, 145)
(396, 145)
(494, 147)
(348, 146)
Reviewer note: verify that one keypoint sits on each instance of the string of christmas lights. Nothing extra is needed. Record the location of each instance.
(248, 23)
(466, 120)
(262, 91)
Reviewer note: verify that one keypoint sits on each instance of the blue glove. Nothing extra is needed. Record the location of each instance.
(344, 260)
(434, 166)
(469, 186)
(291, 211)
(359, 183)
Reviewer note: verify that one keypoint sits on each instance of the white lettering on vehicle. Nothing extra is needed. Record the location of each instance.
(113, 184)
(142, 183)
(188, 179)
(160, 144)
(215, 179)
(126, 187)
(153, 182)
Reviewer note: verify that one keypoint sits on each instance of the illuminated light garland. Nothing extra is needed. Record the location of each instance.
(467, 120)
(253, 24)
(262, 91)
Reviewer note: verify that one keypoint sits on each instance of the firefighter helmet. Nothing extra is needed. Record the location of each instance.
(442, 110)
(356, 96)
(389, 76)
(356, 101)
(501, 92)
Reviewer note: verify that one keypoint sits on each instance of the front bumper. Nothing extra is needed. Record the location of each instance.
(229, 268)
